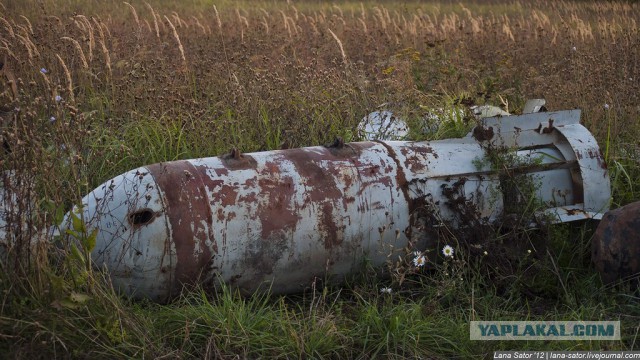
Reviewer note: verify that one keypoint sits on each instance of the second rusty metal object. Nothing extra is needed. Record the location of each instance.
(279, 219)
(616, 244)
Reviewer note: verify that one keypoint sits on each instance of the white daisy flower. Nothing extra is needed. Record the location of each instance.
(447, 251)
(419, 260)
(385, 290)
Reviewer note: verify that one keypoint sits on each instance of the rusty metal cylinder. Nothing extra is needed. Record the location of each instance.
(616, 244)
(276, 219)
(280, 219)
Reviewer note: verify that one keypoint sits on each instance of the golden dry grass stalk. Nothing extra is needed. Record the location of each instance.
(79, 50)
(90, 35)
(218, 21)
(344, 56)
(28, 23)
(8, 26)
(177, 37)
(134, 13)
(27, 45)
(67, 75)
(155, 19)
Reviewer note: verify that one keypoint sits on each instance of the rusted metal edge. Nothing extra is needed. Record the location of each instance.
(563, 214)
(502, 124)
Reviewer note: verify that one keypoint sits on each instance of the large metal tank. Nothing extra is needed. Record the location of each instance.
(279, 219)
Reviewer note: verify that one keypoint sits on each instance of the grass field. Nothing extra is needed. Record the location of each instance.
(91, 89)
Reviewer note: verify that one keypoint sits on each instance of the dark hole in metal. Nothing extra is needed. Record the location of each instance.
(142, 217)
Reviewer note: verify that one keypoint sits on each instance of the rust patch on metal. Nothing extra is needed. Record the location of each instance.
(597, 154)
(221, 171)
(384, 180)
(279, 213)
(371, 175)
(575, 212)
(238, 161)
(250, 198)
(331, 233)
(227, 195)
(481, 133)
(594, 153)
(320, 183)
(348, 181)
(615, 248)
(220, 193)
(419, 148)
(187, 209)
(416, 157)
(402, 182)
